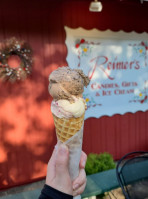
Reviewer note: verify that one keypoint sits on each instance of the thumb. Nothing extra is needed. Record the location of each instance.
(62, 160)
(62, 180)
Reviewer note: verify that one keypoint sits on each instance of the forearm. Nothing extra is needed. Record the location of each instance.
(51, 193)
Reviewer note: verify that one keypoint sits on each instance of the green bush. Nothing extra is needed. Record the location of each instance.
(99, 162)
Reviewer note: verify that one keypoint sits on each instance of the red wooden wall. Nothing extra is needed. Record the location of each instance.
(27, 134)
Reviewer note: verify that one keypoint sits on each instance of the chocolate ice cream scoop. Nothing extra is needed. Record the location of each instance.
(67, 83)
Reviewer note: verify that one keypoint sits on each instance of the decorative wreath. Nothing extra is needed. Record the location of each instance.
(24, 52)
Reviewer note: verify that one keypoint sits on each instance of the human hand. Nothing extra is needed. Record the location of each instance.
(58, 174)
(80, 182)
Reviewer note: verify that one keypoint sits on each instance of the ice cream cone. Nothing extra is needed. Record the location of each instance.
(67, 127)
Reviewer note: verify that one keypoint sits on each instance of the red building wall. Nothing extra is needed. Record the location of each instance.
(27, 133)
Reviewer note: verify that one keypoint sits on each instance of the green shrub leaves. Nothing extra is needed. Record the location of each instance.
(99, 162)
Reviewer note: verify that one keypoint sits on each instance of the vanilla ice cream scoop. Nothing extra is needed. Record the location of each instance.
(65, 109)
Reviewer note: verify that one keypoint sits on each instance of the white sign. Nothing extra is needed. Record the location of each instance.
(117, 65)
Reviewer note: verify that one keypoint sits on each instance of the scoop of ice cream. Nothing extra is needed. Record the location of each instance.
(64, 83)
(63, 108)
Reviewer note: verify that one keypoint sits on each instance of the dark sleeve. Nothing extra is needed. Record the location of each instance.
(51, 193)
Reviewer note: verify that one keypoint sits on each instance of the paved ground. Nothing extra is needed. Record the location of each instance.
(32, 191)
(29, 191)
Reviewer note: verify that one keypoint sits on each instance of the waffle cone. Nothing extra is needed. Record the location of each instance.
(66, 128)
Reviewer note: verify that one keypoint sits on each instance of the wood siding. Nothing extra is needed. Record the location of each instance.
(27, 134)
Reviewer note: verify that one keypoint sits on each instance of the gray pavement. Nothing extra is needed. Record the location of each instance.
(34, 194)
(28, 191)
